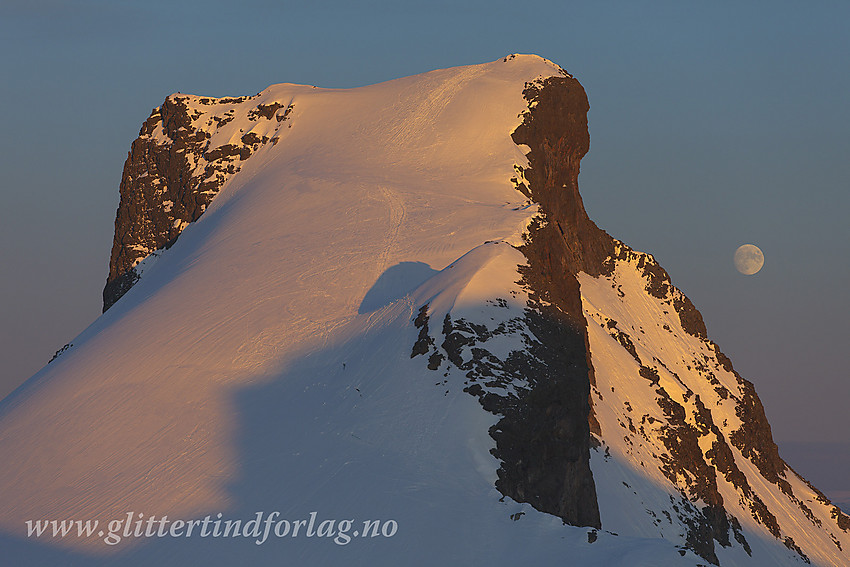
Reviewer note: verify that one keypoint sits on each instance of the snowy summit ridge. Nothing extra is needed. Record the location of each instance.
(386, 303)
(191, 146)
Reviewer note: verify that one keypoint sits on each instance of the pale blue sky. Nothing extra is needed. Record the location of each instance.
(712, 125)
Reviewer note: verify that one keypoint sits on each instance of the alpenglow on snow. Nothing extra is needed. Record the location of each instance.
(383, 315)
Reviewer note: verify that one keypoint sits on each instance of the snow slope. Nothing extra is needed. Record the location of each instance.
(639, 483)
(266, 361)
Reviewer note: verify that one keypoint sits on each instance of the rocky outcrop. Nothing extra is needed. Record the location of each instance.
(186, 150)
(563, 242)
(566, 240)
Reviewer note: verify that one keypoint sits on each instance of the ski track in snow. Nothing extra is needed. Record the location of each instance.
(422, 109)
(396, 210)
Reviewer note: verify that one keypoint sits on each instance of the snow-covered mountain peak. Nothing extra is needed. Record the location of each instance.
(388, 303)
(439, 130)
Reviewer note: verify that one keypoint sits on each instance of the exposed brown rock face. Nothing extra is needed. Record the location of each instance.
(172, 174)
(556, 131)
(545, 443)
(154, 174)
(685, 456)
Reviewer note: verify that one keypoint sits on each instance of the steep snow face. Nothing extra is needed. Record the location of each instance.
(677, 444)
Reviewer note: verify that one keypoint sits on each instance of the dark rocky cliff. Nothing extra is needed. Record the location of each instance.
(564, 242)
(172, 173)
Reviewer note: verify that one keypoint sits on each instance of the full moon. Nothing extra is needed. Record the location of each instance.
(748, 259)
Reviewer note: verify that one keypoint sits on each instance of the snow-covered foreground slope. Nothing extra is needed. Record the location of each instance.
(355, 328)
(351, 428)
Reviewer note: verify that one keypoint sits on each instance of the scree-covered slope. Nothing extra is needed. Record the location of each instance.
(378, 324)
